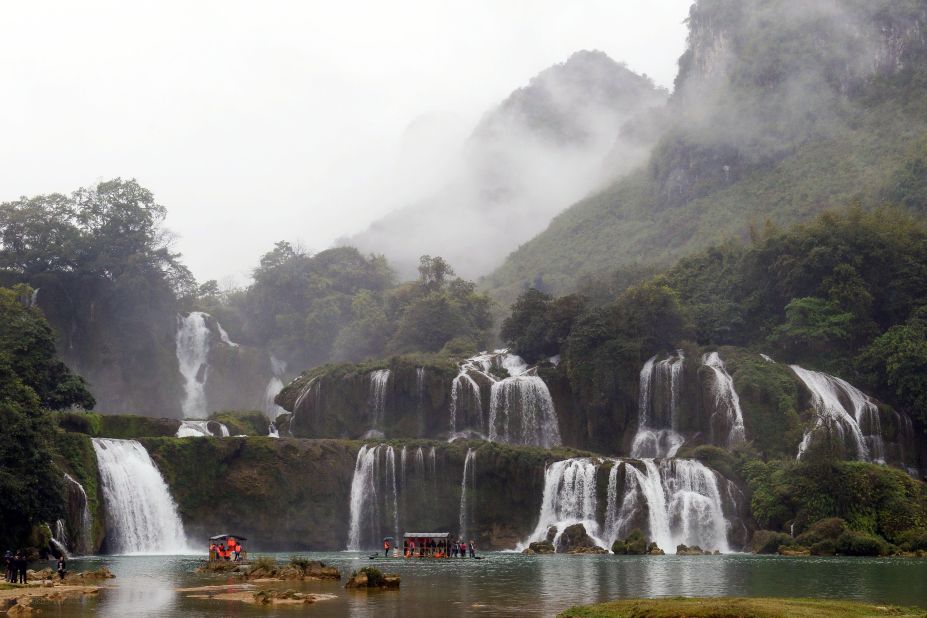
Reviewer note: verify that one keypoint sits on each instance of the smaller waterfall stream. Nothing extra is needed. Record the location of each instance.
(521, 411)
(141, 516)
(466, 386)
(728, 415)
(379, 380)
(374, 494)
(467, 485)
(657, 427)
(200, 429)
(844, 423)
(192, 351)
(79, 526)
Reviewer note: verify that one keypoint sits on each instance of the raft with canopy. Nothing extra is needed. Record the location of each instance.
(426, 544)
(227, 545)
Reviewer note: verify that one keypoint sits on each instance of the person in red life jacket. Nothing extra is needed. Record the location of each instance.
(213, 552)
(385, 548)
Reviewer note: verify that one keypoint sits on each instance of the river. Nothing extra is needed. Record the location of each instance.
(507, 584)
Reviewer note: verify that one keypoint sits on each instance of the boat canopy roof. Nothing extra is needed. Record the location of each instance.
(223, 537)
(426, 535)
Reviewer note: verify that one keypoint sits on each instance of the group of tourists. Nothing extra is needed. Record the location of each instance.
(16, 565)
(230, 550)
(428, 548)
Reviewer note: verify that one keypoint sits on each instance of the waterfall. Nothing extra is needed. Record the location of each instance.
(34, 299)
(272, 431)
(79, 522)
(657, 434)
(60, 537)
(465, 492)
(192, 351)
(433, 466)
(374, 493)
(464, 381)
(141, 516)
(521, 411)
(727, 404)
(224, 336)
(673, 501)
(834, 419)
(274, 386)
(379, 380)
(200, 429)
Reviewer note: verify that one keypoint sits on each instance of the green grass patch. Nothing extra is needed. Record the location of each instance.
(736, 607)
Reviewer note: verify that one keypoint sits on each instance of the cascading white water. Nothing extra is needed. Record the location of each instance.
(525, 402)
(727, 403)
(374, 493)
(379, 380)
(60, 537)
(569, 498)
(274, 386)
(679, 500)
(224, 336)
(34, 299)
(469, 385)
(465, 493)
(141, 516)
(272, 431)
(200, 429)
(192, 354)
(79, 520)
(657, 434)
(835, 420)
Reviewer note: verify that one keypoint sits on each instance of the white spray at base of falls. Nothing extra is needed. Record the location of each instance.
(192, 352)
(657, 435)
(141, 516)
(828, 394)
(465, 493)
(525, 402)
(727, 402)
(679, 500)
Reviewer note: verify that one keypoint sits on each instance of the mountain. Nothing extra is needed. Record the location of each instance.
(535, 153)
(779, 112)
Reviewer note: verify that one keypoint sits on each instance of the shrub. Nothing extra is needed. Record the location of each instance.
(620, 548)
(300, 562)
(852, 543)
(636, 543)
(374, 576)
(825, 529)
(265, 563)
(827, 547)
(769, 542)
(913, 540)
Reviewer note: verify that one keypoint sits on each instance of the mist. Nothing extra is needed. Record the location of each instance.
(253, 124)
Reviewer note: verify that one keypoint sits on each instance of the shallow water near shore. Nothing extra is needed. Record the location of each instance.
(503, 584)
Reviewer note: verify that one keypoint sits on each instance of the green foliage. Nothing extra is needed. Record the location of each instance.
(852, 543)
(828, 529)
(539, 325)
(913, 540)
(769, 542)
(374, 575)
(250, 423)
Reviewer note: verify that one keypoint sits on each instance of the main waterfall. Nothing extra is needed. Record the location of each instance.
(372, 494)
(673, 501)
(658, 408)
(192, 350)
(521, 411)
(141, 516)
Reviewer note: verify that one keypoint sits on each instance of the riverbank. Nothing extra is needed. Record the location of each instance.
(739, 607)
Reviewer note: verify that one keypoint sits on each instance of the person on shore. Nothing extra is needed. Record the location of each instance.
(454, 549)
(472, 547)
(21, 565)
(385, 548)
(62, 567)
(8, 561)
(233, 549)
(213, 552)
(463, 549)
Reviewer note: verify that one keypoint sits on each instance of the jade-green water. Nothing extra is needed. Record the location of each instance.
(507, 584)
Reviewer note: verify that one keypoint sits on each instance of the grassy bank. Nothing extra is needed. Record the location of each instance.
(736, 607)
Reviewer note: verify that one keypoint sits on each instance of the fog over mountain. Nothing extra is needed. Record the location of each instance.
(535, 153)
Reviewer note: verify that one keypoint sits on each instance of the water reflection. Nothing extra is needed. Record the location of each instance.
(511, 584)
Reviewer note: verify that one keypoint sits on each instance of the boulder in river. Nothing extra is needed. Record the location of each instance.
(575, 538)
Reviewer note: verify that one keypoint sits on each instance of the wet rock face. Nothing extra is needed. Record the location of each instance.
(574, 539)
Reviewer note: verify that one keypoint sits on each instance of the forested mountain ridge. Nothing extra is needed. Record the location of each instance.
(539, 150)
(778, 114)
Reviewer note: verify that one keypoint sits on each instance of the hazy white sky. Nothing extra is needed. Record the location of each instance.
(259, 121)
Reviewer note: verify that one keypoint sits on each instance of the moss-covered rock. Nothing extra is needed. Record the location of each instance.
(120, 426)
(251, 423)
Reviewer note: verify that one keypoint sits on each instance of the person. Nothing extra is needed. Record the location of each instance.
(472, 549)
(8, 560)
(233, 548)
(62, 567)
(385, 548)
(213, 551)
(21, 565)
(454, 549)
(463, 549)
